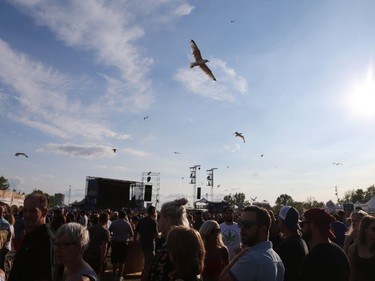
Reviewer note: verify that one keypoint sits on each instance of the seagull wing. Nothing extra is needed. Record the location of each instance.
(207, 71)
(21, 153)
(196, 53)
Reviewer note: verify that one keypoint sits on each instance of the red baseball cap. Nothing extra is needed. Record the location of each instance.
(322, 220)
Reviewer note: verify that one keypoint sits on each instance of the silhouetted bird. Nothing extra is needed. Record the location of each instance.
(199, 61)
(114, 150)
(176, 152)
(21, 153)
(240, 135)
(334, 163)
(146, 117)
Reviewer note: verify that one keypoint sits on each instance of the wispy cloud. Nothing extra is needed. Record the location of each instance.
(87, 150)
(227, 87)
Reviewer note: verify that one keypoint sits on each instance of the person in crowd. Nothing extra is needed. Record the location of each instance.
(147, 229)
(4, 225)
(352, 234)
(217, 255)
(198, 219)
(362, 252)
(230, 232)
(275, 235)
(71, 241)
(342, 217)
(97, 249)
(58, 220)
(257, 260)
(326, 261)
(172, 213)
(292, 248)
(339, 229)
(19, 230)
(187, 257)
(83, 219)
(121, 231)
(34, 259)
(3, 238)
(10, 245)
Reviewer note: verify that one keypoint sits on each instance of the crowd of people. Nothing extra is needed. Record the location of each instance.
(186, 245)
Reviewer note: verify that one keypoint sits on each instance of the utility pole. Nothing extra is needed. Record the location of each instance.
(210, 181)
(70, 190)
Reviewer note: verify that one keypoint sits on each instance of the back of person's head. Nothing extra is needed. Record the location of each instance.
(74, 232)
(175, 212)
(357, 215)
(10, 218)
(262, 215)
(121, 214)
(151, 210)
(211, 227)
(41, 199)
(186, 251)
(103, 218)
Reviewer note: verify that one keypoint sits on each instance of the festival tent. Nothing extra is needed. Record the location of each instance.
(371, 205)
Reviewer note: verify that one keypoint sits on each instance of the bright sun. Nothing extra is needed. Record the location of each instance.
(362, 97)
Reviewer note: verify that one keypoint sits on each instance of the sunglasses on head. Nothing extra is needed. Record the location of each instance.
(247, 224)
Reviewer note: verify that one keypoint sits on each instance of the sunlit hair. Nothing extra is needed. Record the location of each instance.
(175, 212)
(74, 232)
(10, 218)
(366, 221)
(356, 215)
(205, 230)
(186, 251)
(262, 215)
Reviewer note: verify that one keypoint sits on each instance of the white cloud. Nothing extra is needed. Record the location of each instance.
(77, 150)
(228, 85)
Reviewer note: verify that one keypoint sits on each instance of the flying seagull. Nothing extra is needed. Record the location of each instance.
(146, 117)
(176, 152)
(334, 163)
(21, 153)
(199, 61)
(114, 150)
(240, 135)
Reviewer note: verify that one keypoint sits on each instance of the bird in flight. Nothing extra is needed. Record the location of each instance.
(253, 199)
(240, 135)
(146, 117)
(261, 155)
(334, 163)
(21, 153)
(176, 152)
(199, 61)
(114, 150)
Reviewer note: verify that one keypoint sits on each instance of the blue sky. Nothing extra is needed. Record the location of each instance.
(296, 78)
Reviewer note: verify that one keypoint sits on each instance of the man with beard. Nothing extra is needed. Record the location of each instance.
(326, 261)
(257, 260)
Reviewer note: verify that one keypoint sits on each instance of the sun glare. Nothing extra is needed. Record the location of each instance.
(362, 97)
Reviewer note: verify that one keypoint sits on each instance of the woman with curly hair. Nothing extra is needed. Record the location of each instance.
(172, 213)
(217, 255)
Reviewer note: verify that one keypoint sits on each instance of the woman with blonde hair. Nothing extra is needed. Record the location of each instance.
(217, 255)
(187, 257)
(172, 213)
(355, 217)
(362, 253)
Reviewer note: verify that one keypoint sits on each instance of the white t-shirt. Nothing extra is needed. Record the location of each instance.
(231, 234)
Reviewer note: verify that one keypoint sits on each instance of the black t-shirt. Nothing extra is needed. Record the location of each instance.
(148, 231)
(291, 251)
(325, 262)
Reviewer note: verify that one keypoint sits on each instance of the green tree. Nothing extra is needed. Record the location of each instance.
(4, 183)
(284, 200)
(311, 202)
(237, 200)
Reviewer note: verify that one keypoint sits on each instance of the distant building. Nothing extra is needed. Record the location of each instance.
(60, 199)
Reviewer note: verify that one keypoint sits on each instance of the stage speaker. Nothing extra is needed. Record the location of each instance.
(148, 193)
(198, 193)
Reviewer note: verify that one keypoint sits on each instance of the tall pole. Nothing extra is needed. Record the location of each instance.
(210, 181)
(70, 190)
(193, 180)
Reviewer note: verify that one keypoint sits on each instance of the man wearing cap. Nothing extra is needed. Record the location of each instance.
(292, 249)
(326, 261)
